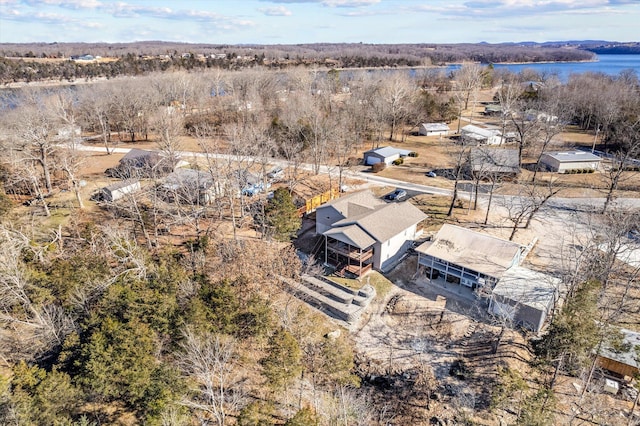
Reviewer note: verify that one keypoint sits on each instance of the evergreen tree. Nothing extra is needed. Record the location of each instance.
(284, 361)
(282, 216)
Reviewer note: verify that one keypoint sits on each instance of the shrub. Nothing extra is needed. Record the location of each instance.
(378, 167)
(413, 154)
(398, 162)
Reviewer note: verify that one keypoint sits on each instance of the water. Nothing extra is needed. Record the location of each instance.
(607, 64)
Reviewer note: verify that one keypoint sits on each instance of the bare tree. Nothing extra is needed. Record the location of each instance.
(628, 138)
(523, 208)
(70, 159)
(210, 361)
(95, 111)
(461, 154)
(37, 129)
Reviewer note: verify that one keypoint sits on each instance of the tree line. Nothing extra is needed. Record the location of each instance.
(146, 57)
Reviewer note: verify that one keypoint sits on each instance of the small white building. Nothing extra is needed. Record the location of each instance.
(387, 155)
(119, 190)
(566, 161)
(434, 129)
(471, 134)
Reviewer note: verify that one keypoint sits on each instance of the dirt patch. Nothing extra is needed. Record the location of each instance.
(410, 339)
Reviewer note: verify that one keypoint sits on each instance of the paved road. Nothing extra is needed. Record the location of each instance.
(572, 204)
(366, 176)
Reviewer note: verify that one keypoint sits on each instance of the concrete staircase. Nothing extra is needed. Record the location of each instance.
(332, 298)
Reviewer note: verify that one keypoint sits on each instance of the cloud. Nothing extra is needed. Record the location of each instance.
(66, 4)
(501, 8)
(275, 11)
(331, 3)
(125, 10)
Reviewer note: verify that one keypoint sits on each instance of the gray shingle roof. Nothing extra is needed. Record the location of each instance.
(497, 160)
(353, 235)
(387, 220)
(378, 219)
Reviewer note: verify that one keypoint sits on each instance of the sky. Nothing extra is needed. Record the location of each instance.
(317, 21)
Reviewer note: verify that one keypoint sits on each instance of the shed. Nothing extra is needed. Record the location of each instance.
(566, 161)
(434, 129)
(525, 297)
(119, 190)
(480, 136)
(387, 155)
(624, 361)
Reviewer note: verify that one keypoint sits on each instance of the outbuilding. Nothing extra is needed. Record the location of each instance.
(119, 190)
(471, 134)
(622, 361)
(434, 129)
(566, 161)
(387, 155)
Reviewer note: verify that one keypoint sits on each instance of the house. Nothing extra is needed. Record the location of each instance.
(434, 129)
(468, 258)
(525, 297)
(471, 134)
(362, 232)
(139, 163)
(189, 186)
(387, 155)
(491, 267)
(119, 190)
(566, 161)
(490, 161)
(624, 361)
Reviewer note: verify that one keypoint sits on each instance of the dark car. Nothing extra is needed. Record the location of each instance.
(397, 195)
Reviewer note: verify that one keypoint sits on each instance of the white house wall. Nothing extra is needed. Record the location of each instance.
(388, 252)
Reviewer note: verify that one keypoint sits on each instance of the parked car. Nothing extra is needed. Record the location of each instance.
(275, 173)
(431, 174)
(397, 195)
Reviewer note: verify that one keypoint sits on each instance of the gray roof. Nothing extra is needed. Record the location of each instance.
(388, 151)
(138, 154)
(482, 253)
(479, 132)
(120, 185)
(387, 220)
(352, 235)
(631, 339)
(573, 156)
(436, 127)
(377, 219)
(528, 287)
(486, 159)
(188, 178)
(354, 204)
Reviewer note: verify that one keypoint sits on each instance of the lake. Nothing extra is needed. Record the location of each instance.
(606, 64)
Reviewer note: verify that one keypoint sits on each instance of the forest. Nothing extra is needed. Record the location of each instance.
(18, 64)
(164, 310)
